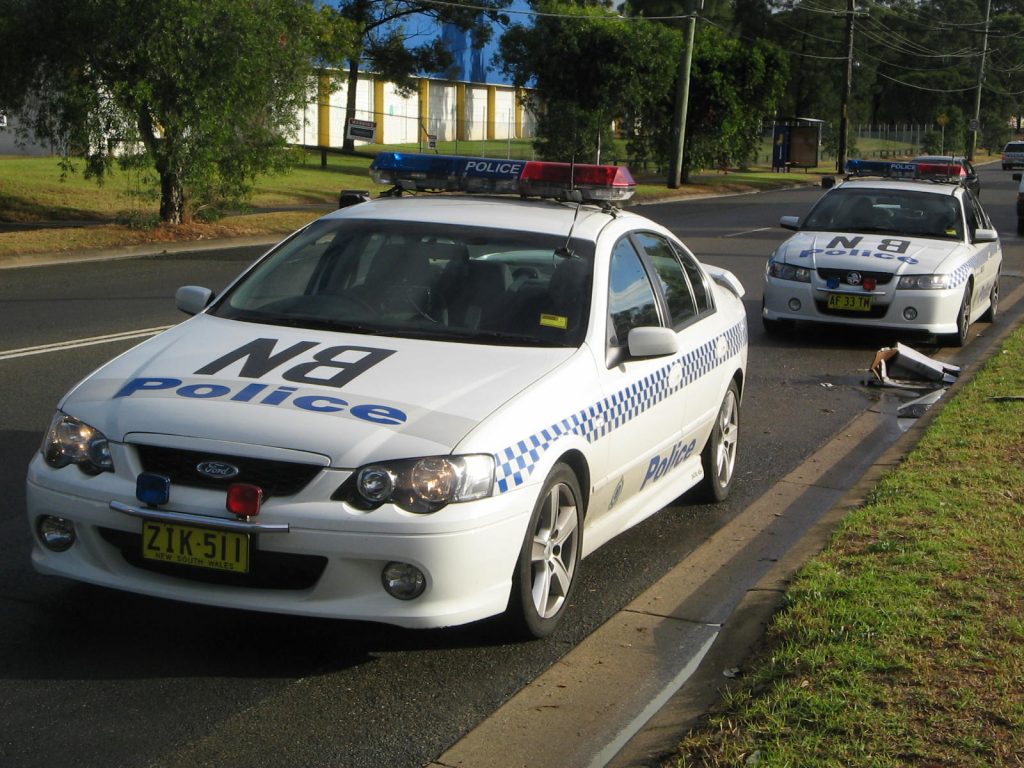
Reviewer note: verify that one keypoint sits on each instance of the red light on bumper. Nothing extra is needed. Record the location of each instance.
(870, 283)
(244, 500)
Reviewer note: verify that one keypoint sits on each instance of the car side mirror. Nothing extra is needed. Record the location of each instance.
(985, 236)
(652, 341)
(790, 222)
(193, 299)
(1016, 177)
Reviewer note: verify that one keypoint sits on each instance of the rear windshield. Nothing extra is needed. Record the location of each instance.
(1014, 146)
(477, 285)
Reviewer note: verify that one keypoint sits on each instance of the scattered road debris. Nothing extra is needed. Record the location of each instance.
(906, 368)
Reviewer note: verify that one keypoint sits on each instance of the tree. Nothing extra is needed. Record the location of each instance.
(734, 87)
(589, 67)
(208, 88)
(383, 45)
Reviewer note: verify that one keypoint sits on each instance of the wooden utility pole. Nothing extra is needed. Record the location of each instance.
(682, 98)
(844, 118)
(976, 122)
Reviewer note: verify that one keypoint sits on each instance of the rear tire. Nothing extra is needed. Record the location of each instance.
(719, 455)
(545, 575)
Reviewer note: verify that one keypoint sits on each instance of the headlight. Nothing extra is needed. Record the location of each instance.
(420, 485)
(70, 441)
(924, 282)
(789, 272)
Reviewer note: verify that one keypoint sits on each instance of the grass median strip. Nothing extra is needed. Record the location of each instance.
(902, 644)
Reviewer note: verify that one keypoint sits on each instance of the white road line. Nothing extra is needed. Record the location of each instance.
(748, 232)
(60, 346)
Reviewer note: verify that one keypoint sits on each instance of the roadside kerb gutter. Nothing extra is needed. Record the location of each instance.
(626, 695)
(17, 261)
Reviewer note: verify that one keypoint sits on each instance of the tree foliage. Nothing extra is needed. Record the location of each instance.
(383, 42)
(914, 62)
(208, 88)
(588, 68)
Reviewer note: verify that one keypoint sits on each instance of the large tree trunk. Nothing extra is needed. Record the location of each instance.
(173, 209)
(172, 199)
(350, 102)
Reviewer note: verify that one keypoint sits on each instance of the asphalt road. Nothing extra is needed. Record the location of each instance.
(91, 677)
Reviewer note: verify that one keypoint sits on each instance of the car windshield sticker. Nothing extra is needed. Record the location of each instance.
(516, 463)
(555, 321)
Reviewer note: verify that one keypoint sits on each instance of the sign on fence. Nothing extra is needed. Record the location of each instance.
(361, 129)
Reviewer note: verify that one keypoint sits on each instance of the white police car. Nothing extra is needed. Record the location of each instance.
(911, 251)
(419, 410)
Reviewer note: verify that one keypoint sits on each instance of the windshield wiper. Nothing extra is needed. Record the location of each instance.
(305, 321)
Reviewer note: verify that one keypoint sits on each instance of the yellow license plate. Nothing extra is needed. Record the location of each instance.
(849, 302)
(199, 547)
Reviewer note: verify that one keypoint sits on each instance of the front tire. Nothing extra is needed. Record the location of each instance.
(719, 455)
(545, 575)
(963, 322)
(993, 303)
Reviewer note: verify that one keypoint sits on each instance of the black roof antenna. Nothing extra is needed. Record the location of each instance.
(573, 195)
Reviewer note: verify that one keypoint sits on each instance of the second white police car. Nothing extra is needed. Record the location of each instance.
(901, 246)
(419, 410)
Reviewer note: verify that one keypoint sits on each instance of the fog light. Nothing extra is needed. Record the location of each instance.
(404, 581)
(56, 533)
(910, 313)
(794, 305)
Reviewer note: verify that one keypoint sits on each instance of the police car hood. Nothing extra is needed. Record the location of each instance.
(352, 398)
(868, 252)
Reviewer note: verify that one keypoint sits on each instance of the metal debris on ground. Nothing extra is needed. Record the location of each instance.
(906, 368)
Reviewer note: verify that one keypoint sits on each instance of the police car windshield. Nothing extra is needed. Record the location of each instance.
(888, 211)
(464, 284)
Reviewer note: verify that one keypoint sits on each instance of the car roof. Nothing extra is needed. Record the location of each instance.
(508, 212)
(923, 185)
(938, 158)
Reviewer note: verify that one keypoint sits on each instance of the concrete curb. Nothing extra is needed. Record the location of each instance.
(743, 632)
(136, 251)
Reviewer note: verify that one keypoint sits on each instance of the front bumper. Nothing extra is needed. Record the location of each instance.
(933, 311)
(333, 556)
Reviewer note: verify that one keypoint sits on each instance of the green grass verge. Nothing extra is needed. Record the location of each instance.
(122, 211)
(902, 644)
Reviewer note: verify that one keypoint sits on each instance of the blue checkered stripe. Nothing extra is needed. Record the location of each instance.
(516, 462)
(965, 270)
(961, 273)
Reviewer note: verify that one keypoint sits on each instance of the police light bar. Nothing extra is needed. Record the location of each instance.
(897, 170)
(940, 171)
(881, 168)
(445, 173)
(596, 182)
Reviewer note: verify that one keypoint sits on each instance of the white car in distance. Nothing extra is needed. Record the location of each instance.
(900, 246)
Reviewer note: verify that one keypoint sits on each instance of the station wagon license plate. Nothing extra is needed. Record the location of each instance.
(198, 547)
(849, 302)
